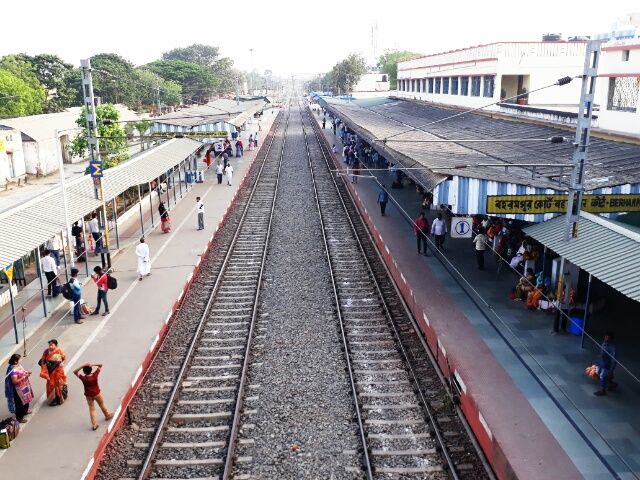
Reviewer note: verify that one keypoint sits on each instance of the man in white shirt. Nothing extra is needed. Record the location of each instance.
(200, 212)
(53, 245)
(439, 230)
(229, 173)
(94, 228)
(50, 270)
(219, 172)
(144, 261)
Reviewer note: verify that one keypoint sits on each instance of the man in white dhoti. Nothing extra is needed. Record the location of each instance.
(144, 261)
(229, 173)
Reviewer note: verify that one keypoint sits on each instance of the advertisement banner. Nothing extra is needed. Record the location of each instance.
(610, 203)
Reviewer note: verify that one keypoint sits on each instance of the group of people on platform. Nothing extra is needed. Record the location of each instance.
(19, 391)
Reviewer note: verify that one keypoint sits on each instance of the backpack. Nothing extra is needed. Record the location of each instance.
(112, 283)
(12, 428)
(66, 291)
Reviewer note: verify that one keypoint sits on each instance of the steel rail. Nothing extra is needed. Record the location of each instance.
(173, 397)
(228, 464)
(363, 435)
(425, 405)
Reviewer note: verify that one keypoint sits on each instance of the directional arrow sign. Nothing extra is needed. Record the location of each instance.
(95, 168)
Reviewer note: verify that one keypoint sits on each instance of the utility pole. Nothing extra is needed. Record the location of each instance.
(94, 150)
(251, 72)
(158, 97)
(581, 142)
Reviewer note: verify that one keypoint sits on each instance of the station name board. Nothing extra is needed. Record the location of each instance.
(216, 134)
(610, 203)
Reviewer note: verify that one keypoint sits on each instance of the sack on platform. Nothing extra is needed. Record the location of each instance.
(85, 309)
(12, 427)
(4, 439)
(592, 372)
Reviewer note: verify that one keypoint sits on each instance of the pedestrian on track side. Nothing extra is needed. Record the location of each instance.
(219, 172)
(200, 212)
(439, 230)
(480, 242)
(229, 174)
(383, 198)
(421, 229)
(144, 260)
(101, 279)
(89, 378)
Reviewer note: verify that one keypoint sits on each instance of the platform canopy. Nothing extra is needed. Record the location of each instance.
(412, 134)
(608, 250)
(221, 110)
(32, 223)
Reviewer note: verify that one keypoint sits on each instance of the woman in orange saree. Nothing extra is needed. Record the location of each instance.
(52, 370)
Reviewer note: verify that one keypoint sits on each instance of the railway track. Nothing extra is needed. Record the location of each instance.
(194, 435)
(408, 424)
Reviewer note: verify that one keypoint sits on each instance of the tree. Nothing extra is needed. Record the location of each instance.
(22, 70)
(141, 127)
(114, 79)
(348, 72)
(113, 142)
(203, 55)
(17, 97)
(61, 80)
(197, 81)
(154, 88)
(388, 63)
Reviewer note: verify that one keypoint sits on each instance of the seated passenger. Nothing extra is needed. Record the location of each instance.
(533, 299)
(525, 285)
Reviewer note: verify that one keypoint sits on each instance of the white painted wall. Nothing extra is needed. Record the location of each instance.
(11, 155)
(372, 82)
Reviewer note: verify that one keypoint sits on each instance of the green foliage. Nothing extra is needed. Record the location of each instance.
(345, 74)
(203, 55)
(17, 97)
(113, 79)
(388, 63)
(61, 80)
(197, 81)
(170, 93)
(113, 142)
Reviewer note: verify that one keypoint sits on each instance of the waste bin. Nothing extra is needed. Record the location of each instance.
(576, 324)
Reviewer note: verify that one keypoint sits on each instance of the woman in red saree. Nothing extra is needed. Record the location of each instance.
(52, 370)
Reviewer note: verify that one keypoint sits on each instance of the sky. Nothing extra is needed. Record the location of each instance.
(299, 38)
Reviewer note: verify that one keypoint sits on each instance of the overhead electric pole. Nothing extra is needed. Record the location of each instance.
(96, 164)
(581, 142)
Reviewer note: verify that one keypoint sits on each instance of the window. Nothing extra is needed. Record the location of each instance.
(431, 85)
(623, 94)
(438, 82)
(489, 83)
(445, 85)
(475, 86)
(464, 85)
(625, 55)
(413, 85)
(454, 85)
(424, 84)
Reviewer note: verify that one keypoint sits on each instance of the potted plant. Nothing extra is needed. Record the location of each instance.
(524, 98)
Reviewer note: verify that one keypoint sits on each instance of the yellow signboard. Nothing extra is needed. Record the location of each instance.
(3, 146)
(216, 134)
(505, 204)
(8, 271)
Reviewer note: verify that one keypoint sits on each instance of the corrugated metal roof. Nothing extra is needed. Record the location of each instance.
(610, 163)
(42, 127)
(29, 225)
(606, 249)
(222, 110)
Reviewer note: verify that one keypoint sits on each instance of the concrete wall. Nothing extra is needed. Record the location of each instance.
(11, 156)
(372, 82)
(41, 158)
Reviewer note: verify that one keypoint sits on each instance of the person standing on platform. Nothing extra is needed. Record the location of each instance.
(255, 139)
(219, 172)
(52, 370)
(76, 232)
(239, 148)
(333, 148)
(76, 295)
(251, 144)
(481, 245)
(144, 260)
(89, 378)
(356, 171)
(94, 228)
(200, 212)
(17, 388)
(439, 230)
(563, 306)
(54, 247)
(324, 122)
(165, 220)
(229, 174)
(606, 365)
(50, 270)
(102, 281)
(421, 229)
(383, 198)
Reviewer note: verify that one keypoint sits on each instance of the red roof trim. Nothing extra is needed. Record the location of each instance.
(490, 59)
(614, 48)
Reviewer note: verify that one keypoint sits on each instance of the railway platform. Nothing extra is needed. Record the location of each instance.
(530, 424)
(58, 442)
